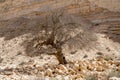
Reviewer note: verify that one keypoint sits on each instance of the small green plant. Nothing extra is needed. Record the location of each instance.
(91, 77)
(107, 57)
(114, 74)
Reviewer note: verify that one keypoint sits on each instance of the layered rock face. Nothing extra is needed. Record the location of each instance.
(16, 8)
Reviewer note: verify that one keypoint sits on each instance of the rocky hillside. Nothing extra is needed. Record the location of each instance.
(35, 8)
(94, 54)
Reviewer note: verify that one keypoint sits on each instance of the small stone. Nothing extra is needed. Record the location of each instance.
(71, 71)
(117, 63)
(85, 56)
(59, 77)
(73, 52)
(8, 73)
(62, 67)
(66, 78)
(79, 76)
(99, 53)
(99, 68)
(91, 67)
(76, 66)
(46, 78)
(41, 74)
(35, 71)
(83, 71)
(114, 78)
(58, 71)
(41, 68)
(49, 72)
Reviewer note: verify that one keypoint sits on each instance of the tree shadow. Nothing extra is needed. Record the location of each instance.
(16, 27)
(34, 46)
(72, 30)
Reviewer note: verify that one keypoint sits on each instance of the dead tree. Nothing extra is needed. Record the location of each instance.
(75, 33)
(51, 40)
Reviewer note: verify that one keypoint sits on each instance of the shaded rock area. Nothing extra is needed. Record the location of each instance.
(89, 31)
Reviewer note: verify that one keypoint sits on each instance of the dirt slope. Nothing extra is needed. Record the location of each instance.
(22, 23)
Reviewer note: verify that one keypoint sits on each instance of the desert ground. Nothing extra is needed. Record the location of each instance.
(92, 50)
